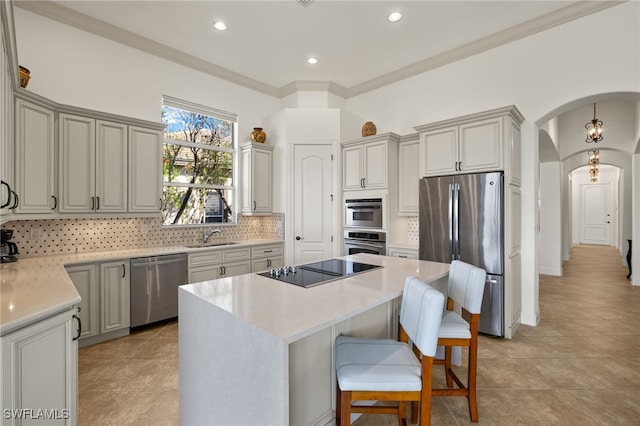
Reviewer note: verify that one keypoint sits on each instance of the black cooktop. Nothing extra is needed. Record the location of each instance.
(317, 273)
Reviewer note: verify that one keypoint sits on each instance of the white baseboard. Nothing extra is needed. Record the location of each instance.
(557, 272)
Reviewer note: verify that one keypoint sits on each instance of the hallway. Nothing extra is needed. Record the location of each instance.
(579, 366)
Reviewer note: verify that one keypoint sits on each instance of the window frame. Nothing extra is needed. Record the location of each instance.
(192, 107)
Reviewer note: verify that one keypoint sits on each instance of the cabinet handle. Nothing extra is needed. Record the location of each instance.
(97, 203)
(55, 202)
(221, 271)
(79, 325)
(255, 205)
(402, 256)
(224, 270)
(16, 200)
(268, 251)
(8, 194)
(93, 203)
(268, 262)
(161, 204)
(124, 270)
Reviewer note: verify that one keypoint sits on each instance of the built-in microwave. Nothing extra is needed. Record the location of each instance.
(363, 213)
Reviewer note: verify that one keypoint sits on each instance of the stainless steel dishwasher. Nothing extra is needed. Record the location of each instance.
(154, 287)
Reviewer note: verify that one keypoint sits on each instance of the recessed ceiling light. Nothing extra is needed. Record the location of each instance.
(219, 25)
(395, 16)
(312, 60)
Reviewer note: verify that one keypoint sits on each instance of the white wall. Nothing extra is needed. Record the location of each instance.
(73, 67)
(550, 226)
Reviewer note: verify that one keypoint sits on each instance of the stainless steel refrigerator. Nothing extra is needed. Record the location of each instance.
(461, 217)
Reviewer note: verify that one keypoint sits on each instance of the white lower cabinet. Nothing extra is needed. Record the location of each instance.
(267, 257)
(217, 263)
(40, 372)
(114, 296)
(85, 279)
(105, 306)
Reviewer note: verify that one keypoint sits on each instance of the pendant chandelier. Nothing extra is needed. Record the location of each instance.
(594, 129)
(594, 161)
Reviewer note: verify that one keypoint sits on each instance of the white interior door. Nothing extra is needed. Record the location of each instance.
(596, 218)
(314, 223)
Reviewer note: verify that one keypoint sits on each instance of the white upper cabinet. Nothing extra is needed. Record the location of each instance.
(93, 165)
(8, 199)
(408, 175)
(366, 162)
(145, 170)
(257, 178)
(35, 158)
(474, 143)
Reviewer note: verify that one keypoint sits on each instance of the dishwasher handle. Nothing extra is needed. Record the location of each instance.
(157, 260)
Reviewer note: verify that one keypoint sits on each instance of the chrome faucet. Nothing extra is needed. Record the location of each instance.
(206, 235)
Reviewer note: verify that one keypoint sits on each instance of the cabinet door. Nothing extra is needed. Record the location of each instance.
(77, 163)
(6, 136)
(515, 159)
(145, 170)
(409, 176)
(85, 279)
(262, 181)
(259, 265)
(111, 167)
(236, 268)
(114, 296)
(40, 369)
(481, 146)
(352, 167)
(375, 165)
(35, 156)
(439, 151)
(204, 273)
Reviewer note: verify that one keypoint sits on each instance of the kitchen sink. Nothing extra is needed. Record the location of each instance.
(201, 245)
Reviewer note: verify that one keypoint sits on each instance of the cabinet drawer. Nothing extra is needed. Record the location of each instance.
(267, 251)
(205, 258)
(404, 253)
(234, 255)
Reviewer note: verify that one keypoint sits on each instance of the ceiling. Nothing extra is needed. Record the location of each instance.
(267, 43)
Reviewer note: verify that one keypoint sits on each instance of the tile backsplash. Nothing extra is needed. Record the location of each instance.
(413, 230)
(64, 236)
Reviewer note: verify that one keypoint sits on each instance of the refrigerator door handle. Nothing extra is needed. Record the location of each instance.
(451, 223)
(455, 247)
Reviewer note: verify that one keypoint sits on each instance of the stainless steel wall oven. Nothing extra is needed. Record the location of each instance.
(361, 241)
(363, 213)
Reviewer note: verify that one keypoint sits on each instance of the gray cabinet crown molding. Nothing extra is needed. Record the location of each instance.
(511, 110)
(21, 93)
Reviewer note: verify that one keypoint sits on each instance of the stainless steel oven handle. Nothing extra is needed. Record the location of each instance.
(363, 206)
(361, 243)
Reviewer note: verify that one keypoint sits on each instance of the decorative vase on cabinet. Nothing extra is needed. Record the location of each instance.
(369, 129)
(258, 135)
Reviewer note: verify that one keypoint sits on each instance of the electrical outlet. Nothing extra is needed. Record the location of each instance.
(34, 234)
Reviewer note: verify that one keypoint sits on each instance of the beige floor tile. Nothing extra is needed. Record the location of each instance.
(579, 366)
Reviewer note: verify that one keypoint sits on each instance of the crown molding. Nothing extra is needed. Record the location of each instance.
(95, 26)
(312, 86)
(562, 16)
(86, 23)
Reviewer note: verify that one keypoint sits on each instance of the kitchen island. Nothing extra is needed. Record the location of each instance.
(257, 351)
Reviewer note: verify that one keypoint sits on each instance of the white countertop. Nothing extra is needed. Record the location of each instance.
(35, 288)
(291, 312)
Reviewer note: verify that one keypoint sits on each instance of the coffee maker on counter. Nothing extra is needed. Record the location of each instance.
(8, 249)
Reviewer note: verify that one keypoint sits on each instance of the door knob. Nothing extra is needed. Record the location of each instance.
(298, 238)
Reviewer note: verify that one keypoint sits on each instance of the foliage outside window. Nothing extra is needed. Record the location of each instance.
(198, 164)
